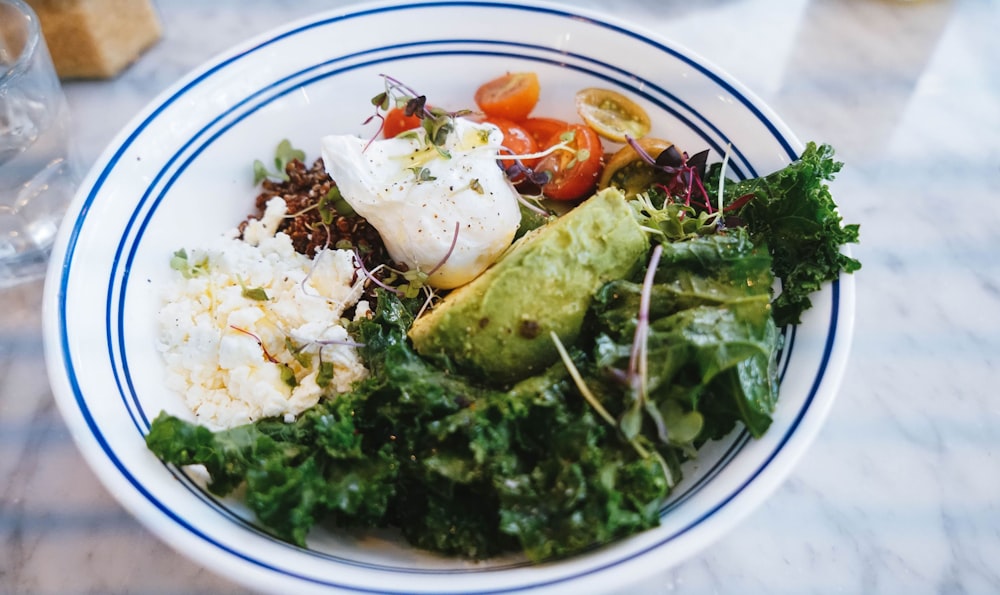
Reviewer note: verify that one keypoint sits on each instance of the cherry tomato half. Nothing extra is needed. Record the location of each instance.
(510, 96)
(542, 129)
(396, 121)
(628, 172)
(611, 114)
(516, 139)
(574, 171)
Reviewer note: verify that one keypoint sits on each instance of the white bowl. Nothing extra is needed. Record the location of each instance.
(179, 175)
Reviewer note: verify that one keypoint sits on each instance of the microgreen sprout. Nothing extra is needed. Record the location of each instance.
(531, 203)
(595, 403)
(370, 275)
(638, 368)
(581, 385)
(333, 202)
(325, 373)
(267, 355)
(298, 352)
(343, 342)
(284, 154)
(722, 179)
(423, 174)
(451, 250)
(686, 173)
(520, 172)
(252, 293)
(436, 123)
(180, 262)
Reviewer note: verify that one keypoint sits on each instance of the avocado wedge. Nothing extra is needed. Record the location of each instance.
(498, 326)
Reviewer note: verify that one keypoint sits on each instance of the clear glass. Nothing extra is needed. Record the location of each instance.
(37, 174)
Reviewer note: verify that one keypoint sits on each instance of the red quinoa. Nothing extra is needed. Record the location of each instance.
(302, 193)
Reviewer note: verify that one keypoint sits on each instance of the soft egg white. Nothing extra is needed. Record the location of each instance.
(422, 202)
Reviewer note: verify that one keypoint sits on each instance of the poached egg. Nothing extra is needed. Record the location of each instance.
(449, 215)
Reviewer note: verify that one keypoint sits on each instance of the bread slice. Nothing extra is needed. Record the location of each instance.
(96, 38)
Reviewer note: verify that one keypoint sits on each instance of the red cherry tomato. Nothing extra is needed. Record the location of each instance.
(542, 129)
(396, 121)
(574, 170)
(516, 139)
(510, 96)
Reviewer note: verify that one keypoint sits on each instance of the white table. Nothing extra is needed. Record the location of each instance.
(900, 493)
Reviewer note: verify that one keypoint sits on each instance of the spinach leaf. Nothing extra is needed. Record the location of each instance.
(712, 345)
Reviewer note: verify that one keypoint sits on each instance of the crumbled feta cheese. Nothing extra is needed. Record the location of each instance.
(229, 353)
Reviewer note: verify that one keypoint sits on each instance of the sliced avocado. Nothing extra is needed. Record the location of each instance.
(498, 326)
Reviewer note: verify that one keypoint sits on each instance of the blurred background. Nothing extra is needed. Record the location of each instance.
(901, 490)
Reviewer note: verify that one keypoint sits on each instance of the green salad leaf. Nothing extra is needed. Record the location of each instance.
(793, 213)
(712, 343)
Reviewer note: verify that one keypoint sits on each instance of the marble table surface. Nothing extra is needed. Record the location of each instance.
(899, 493)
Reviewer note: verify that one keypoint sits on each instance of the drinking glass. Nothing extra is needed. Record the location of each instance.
(37, 174)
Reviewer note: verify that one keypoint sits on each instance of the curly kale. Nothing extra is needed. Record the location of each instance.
(793, 213)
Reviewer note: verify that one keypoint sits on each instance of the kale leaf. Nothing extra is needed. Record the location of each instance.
(456, 468)
(793, 213)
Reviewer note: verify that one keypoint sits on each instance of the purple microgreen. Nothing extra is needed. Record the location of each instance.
(668, 158)
(686, 172)
(698, 162)
(637, 359)
(371, 276)
(540, 178)
(342, 342)
(415, 105)
(451, 249)
(739, 202)
(260, 343)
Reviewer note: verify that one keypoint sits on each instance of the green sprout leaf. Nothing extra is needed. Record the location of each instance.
(253, 293)
(334, 204)
(324, 375)
(423, 174)
(288, 375)
(284, 154)
(297, 351)
(179, 262)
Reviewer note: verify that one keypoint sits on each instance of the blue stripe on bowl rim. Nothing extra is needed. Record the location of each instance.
(101, 441)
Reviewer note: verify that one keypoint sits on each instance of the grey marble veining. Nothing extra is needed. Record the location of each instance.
(900, 493)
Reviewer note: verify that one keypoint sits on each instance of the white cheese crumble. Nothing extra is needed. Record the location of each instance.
(232, 355)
